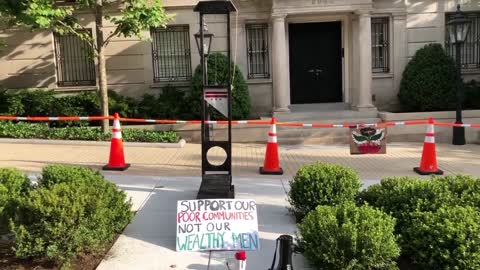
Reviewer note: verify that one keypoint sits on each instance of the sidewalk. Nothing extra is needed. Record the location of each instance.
(247, 158)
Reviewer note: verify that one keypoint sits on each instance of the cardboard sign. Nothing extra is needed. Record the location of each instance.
(368, 140)
(218, 98)
(217, 224)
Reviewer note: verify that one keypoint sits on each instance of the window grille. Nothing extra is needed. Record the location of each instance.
(257, 51)
(74, 60)
(470, 51)
(380, 45)
(171, 53)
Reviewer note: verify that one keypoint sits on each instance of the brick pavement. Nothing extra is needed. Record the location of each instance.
(400, 160)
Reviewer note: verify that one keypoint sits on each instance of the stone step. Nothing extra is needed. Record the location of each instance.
(324, 117)
(319, 107)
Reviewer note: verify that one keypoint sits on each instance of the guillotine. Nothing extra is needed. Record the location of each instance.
(216, 179)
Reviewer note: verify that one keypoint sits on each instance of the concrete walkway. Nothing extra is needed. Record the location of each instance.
(399, 161)
(148, 243)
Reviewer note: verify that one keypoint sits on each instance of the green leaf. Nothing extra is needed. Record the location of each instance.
(359, 138)
(377, 137)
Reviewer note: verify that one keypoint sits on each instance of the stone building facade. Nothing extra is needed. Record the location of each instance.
(290, 51)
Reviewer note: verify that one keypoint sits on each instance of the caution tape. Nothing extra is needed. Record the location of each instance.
(234, 122)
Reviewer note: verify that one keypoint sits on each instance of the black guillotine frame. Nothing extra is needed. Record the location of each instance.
(216, 179)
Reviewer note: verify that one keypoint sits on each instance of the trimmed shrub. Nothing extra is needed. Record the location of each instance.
(412, 201)
(74, 211)
(13, 186)
(400, 196)
(39, 102)
(472, 95)
(349, 237)
(42, 131)
(428, 82)
(170, 104)
(322, 184)
(445, 239)
(218, 75)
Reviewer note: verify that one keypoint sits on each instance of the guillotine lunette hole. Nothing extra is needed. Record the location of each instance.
(216, 156)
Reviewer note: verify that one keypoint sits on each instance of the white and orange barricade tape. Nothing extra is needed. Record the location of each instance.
(234, 122)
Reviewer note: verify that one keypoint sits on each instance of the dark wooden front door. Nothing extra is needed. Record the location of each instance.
(315, 62)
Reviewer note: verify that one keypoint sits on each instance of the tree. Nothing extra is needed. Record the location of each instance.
(59, 16)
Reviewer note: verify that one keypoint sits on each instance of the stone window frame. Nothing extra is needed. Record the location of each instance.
(181, 60)
(265, 71)
(382, 67)
(70, 46)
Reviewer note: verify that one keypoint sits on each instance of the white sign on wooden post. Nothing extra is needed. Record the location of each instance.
(217, 224)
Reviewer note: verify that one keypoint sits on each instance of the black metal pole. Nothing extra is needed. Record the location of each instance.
(202, 102)
(459, 132)
(230, 83)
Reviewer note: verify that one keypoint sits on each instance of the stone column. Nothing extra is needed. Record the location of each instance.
(281, 93)
(399, 44)
(365, 62)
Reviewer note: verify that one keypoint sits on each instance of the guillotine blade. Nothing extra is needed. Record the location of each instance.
(217, 98)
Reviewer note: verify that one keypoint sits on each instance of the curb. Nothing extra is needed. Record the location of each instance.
(179, 144)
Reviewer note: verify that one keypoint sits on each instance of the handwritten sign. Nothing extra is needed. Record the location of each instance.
(217, 224)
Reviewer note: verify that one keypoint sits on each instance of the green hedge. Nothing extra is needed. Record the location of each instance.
(447, 238)
(434, 218)
(349, 237)
(73, 211)
(24, 130)
(38, 102)
(13, 186)
(428, 82)
(322, 184)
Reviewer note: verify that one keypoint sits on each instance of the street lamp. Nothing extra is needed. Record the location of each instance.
(204, 37)
(207, 40)
(458, 28)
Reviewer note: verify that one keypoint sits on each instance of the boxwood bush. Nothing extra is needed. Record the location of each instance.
(24, 130)
(428, 82)
(447, 238)
(73, 211)
(420, 206)
(400, 196)
(349, 237)
(39, 102)
(13, 186)
(218, 75)
(322, 184)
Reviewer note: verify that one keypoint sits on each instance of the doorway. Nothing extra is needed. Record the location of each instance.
(315, 62)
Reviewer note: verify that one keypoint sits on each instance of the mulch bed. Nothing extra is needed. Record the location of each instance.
(82, 262)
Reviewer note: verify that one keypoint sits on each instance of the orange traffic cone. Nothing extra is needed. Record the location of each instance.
(117, 158)
(271, 164)
(428, 164)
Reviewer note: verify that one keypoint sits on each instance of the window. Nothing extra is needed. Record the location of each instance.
(74, 61)
(470, 56)
(380, 45)
(257, 51)
(171, 54)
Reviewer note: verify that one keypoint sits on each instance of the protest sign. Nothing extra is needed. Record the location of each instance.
(368, 140)
(217, 224)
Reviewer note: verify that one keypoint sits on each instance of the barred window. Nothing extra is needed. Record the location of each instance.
(171, 53)
(470, 51)
(380, 45)
(74, 60)
(257, 51)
